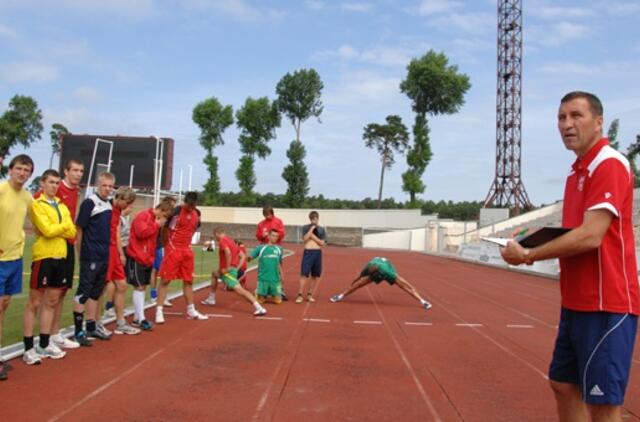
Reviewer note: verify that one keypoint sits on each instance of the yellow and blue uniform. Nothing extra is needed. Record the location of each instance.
(14, 205)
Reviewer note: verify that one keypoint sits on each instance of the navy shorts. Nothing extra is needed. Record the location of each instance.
(11, 277)
(92, 279)
(158, 258)
(594, 351)
(311, 263)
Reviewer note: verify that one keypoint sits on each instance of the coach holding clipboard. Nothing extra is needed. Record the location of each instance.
(591, 361)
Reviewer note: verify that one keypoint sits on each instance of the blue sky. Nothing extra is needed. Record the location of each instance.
(138, 67)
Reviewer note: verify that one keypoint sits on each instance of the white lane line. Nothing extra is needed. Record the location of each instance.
(468, 325)
(270, 318)
(519, 326)
(316, 320)
(368, 322)
(172, 313)
(418, 323)
(220, 315)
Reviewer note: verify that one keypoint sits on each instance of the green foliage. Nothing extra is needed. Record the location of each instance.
(299, 96)
(20, 124)
(612, 133)
(246, 176)
(434, 87)
(461, 211)
(632, 154)
(34, 186)
(296, 176)
(56, 133)
(386, 138)
(213, 119)
(257, 120)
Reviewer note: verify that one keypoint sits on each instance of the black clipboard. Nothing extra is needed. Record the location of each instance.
(541, 236)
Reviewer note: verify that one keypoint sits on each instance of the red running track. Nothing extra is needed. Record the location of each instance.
(481, 354)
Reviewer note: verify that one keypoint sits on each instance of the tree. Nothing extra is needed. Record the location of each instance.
(298, 99)
(386, 138)
(434, 87)
(632, 153)
(20, 124)
(296, 176)
(57, 131)
(612, 133)
(213, 119)
(258, 120)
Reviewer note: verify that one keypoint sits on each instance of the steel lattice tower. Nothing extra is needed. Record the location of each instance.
(507, 190)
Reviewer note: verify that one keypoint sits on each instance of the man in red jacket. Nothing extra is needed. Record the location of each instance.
(141, 252)
(270, 222)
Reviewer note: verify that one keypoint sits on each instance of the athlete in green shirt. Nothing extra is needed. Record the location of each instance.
(378, 270)
(269, 269)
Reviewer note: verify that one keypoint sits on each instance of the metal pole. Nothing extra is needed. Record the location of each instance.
(190, 176)
(180, 191)
(131, 174)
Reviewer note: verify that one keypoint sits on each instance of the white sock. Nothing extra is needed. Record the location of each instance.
(423, 301)
(212, 296)
(191, 308)
(257, 305)
(138, 304)
(158, 309)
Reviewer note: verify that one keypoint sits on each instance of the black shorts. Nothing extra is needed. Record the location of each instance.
(311, 263)
(48, 273)
(70, 265)
(137, 274)
(92, 279)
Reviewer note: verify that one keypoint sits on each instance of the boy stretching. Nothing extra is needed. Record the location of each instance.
(269, 269)
(378, 270)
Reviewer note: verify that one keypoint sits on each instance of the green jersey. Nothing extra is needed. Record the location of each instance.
(385, 271)
(269, 260)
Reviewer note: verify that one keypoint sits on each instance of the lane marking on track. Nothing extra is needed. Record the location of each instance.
(368, 322)
(316, 320)
(418, 323)
(219, 315)
(272, 318)
(519, 326)
(172, 313)
(468, 325)
(407, 364)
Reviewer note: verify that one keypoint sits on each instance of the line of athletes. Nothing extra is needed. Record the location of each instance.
(112, 255)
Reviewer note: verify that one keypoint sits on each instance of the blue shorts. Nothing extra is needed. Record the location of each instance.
(158, 259)
(11, 277)
(311, 263)
(594, 351)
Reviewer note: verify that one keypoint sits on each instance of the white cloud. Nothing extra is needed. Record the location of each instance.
(28, 72)
(434, 7)
(131, 9)
(236, 9)
(383, 55)
(357, 7)
(564, 68)
(559, 33)
(366, 86)
(7, 32)
(315, 4)
(468, 22)
(620, 8)
(559, 12)
(87, 94)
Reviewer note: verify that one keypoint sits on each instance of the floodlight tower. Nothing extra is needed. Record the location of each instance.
(507, 190)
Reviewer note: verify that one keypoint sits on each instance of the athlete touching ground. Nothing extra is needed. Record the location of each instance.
(378, 270)
(178, 262)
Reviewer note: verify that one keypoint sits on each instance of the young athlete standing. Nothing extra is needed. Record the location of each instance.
(178, 262)
(314, 239)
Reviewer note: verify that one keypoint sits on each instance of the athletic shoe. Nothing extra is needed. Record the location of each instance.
(336, 298)
(82, 339)
(98, 334)
(196, 315)
(63, 342)
(109, 313)
(6, 366)
(167, 303)
(146, 325)
(51, 351)
(159, 318)
(126, 329)
(310, 298)
(284, 296)
(260, 311)
(3, 374)
(426, 305)
(209, 301)
(277, 300)
(299, 299)
(31, 357)
(104, 330)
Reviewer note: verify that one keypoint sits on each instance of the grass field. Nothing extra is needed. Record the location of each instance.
(12, 333)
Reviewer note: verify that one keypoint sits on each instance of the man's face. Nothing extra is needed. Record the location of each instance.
(218, 236)
(273, 237)
(20, 173)
(73, 175)
(315, 221)
(50, 186)
(578, 126)
(105, 186)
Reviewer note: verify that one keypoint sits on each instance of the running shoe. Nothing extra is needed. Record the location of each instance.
(51, 351)
(3, 374)
(6, 366)
(82, 339)
(159, 318)
(209, 301)
(336, 298)
(167, 303)
(196, 315)
(426, 305)
(104, 330)
(299, 299)
(310, 298)
(98, 334)
(126, 329)
(284, 296)
(260, 311)
(146, 325)
(31, 357)
(63, 342)
(109, 313)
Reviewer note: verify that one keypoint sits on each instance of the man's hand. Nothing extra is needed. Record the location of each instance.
(515, 254)
(161, 220)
